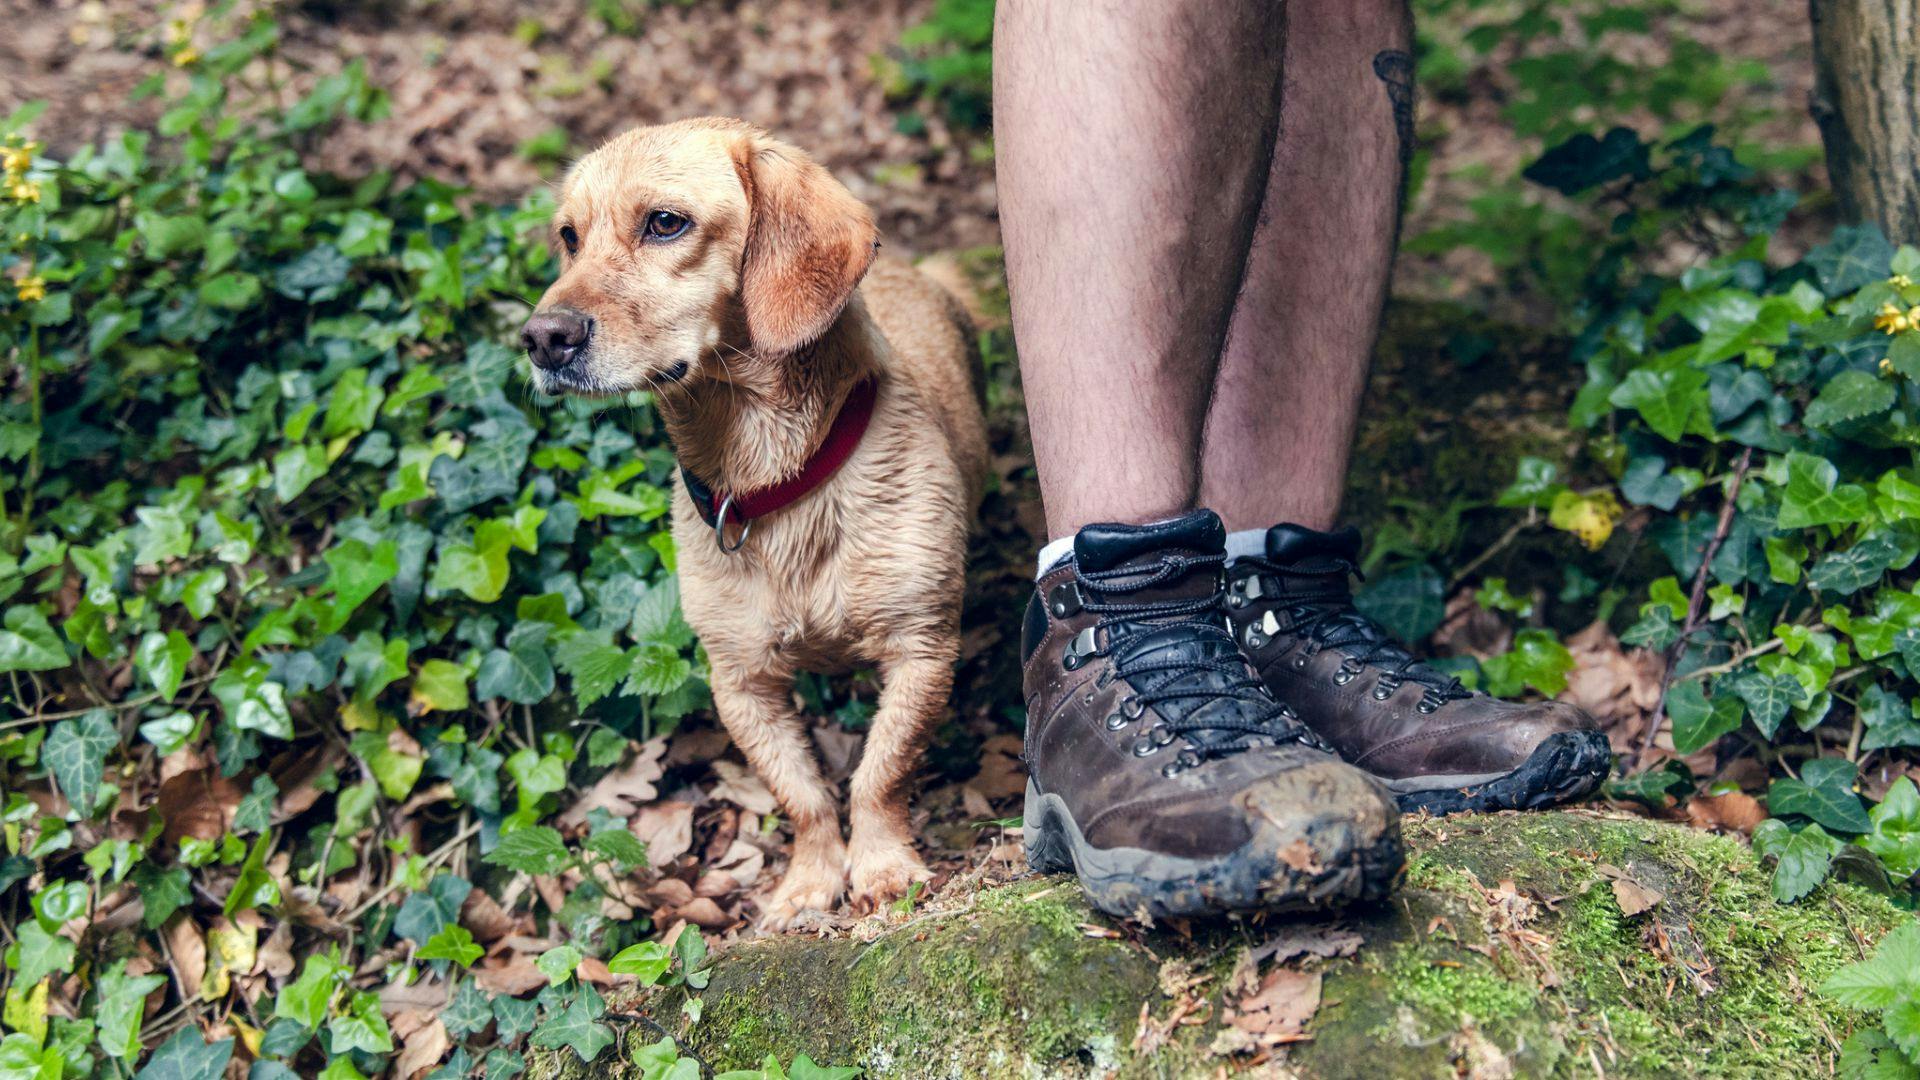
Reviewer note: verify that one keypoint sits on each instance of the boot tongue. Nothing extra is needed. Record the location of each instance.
(1140, 566)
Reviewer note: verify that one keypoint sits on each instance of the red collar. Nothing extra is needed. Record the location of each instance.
(741, 508)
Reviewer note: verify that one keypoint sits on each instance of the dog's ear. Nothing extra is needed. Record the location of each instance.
(809, 242)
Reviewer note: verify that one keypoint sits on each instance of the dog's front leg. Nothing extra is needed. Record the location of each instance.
(758, 712)
(913, 692)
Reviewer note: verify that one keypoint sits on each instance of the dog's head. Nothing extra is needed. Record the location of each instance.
(680, 240)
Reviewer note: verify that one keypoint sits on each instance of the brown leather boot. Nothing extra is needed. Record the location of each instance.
(1160, 770)
(1440, 747)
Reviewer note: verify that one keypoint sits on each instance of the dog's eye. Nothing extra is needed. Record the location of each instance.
(569, 238)
(665, 225)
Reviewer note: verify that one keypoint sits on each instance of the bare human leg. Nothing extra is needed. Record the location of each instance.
(1281, 425)
(1133, 140)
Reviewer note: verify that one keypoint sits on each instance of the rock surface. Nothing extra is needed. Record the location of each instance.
(1509, 953)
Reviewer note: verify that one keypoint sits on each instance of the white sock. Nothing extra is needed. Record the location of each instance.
(1245, 542)
(1051, 555)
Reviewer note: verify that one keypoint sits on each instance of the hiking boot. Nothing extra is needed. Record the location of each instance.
(1159, 768)
(1440, 747)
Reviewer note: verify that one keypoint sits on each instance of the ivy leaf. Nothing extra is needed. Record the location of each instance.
(803, 1068)
(1888, 719)
(1856, 255)
(425, 913)
(361, 1027)
(453, 943)
(1814, 496)
(121, 1009)
(440, 686)
(514, 1016)
(1408, 602)
(577, 1026)
(1850, 395)
(1832, 805)
(28, 643)
(1768, 697)
(1804, 857)
(467, 1011)
(1667, 400)
(558, 963)
(1844, 573)
(38, 953)
(187, 1056)
(1537, 659)
(536, 849)
(1896, 829)
(254, 814)
(646, 961)
(76, 755)
(504, 1064)
(522, 674)
(357, 571)
(306, 999)
(163, 659)
(1697, 721)
(1583, 161)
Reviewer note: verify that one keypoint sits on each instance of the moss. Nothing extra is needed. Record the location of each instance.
(1006, 983)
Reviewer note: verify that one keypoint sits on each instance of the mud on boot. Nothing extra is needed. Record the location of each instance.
(1161, 770)
(1440, 747)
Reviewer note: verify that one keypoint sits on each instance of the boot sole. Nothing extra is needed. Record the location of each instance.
(1130, 882)
(1563, 768)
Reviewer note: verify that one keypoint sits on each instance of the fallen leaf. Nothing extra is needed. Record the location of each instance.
(1325, 941)
(1300, 856)
(489, 922)
(1735, 811)
(739, 786)
(1001, 774)
(666, 828)
(199, 804)
(512, 976)
(276, 956)
(188, 950)
(1279, 1011)
(839, 750)
(623, 790)
(1633, 897)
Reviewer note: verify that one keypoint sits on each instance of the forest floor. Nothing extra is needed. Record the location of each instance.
(485, 95)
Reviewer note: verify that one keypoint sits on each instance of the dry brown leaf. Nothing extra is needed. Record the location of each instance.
(188, 951)
(489, 922)
(419, 995)
(1300, 856)
(743, 861)
(1001, 775)
(512, 975)
(1735, 811)
(739, 786)
(1325, 941)
(276, 956)
(199, 804)
(666, 828)
(1279, 1011)
(839, 750)
(975, 804)
(703, 912)
(622, 791)
(1633, 897)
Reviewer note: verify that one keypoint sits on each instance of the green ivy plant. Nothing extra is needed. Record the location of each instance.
(274, 491)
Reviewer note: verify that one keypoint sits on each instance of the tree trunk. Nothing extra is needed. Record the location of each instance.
(1507, 953)
(1866, 99)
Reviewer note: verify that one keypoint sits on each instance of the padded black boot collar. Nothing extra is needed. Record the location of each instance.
(1105, 545)
(1289, 544)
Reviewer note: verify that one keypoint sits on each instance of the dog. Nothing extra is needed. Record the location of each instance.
(802, 378)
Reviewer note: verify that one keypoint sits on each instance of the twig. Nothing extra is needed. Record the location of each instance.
(393, 882)
(1696, 602)
(1722, 669)
(1506, 538)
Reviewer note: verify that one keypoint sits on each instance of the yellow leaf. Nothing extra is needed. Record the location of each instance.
(27, 1013)
(1590, 516)
(230, 949)
(361, 716)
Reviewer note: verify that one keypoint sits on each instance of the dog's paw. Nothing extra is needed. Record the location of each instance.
(884, 874)
(804, 890)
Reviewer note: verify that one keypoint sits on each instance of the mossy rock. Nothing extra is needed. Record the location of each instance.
(1459, 975)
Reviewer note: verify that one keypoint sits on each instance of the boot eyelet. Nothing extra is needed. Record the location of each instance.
(1070, 662)
(1236, 601)
(1343, 676)
(1299, 661)
(1383, 690)
(1427, 708)
(1171, 769)
(1143, 746)
(1254, 638)
(1133, 708)
(1161, 735)
(1115, 721)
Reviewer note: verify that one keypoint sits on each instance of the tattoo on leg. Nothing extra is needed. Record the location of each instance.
(1395, 68)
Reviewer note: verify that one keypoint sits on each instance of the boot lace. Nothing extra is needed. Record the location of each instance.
(1199, 663)
(1324, 614)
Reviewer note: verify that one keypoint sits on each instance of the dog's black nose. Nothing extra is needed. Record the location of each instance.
(555, 336)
